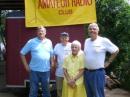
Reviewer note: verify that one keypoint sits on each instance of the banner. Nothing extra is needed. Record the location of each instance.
(59, 12)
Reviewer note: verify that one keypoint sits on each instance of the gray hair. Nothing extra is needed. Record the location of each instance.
(76, 42)
(93, 25)
(42, 28)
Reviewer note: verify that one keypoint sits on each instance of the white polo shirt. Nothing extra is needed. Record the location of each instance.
(95, 52)
(61, 52)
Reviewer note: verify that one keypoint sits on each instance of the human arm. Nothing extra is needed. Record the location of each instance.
(70, 81)
(66, 74)
(53, 67)
(80, 73)
(111, 58)
(111, 48)
(81, 68)
(24, 61)
(55, 55)
(54, 64)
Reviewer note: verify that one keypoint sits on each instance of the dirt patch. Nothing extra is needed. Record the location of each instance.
(109, 93)
(117, 93)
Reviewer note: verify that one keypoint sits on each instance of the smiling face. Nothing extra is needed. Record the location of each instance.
(93, 31)
(75, 47)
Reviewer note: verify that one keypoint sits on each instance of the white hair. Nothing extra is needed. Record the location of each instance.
(76, 42)
(93, 25)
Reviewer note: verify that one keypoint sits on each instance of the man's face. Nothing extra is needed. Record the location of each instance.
(64, 39)
(93, 32)
(41, 34)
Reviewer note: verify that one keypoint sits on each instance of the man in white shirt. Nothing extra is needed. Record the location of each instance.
(95, 49)
(61, 50)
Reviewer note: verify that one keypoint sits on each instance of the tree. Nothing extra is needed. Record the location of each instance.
(113, 17)
(2, 25)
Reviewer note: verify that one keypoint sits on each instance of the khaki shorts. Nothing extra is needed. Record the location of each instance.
(59, 83)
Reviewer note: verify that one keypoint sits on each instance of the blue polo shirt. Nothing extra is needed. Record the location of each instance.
(41, 51)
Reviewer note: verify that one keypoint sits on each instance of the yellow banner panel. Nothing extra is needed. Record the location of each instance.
(59, 12)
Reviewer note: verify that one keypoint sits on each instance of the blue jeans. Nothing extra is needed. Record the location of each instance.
(43, 78)
(94, 83)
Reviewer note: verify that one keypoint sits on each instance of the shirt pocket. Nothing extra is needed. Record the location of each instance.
(98, 48)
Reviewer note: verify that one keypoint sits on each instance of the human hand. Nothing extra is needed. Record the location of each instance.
(72, 83)
(106, 64)
(27, 68)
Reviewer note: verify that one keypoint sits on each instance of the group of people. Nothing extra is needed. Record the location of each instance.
(79, 73)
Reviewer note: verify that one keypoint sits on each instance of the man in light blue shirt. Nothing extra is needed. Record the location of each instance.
(39, 67)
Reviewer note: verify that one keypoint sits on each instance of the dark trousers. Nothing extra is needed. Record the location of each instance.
(94, 82)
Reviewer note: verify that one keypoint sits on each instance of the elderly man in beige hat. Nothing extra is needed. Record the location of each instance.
(61, 50)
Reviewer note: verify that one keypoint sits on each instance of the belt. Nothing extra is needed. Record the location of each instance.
(92, 70)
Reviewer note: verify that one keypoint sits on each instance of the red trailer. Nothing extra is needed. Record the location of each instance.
(17, 35)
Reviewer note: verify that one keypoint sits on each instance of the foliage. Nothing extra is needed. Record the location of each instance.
(2, 17)
(113, 17)
(2, 25)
